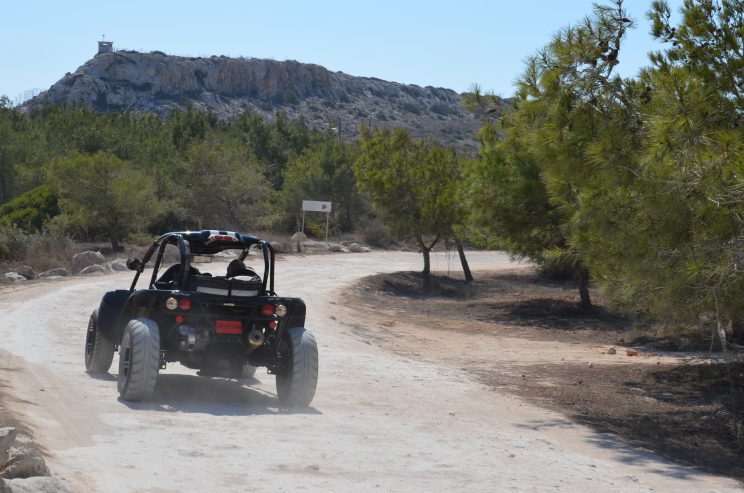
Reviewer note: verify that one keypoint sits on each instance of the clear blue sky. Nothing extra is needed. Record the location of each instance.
(446, 44)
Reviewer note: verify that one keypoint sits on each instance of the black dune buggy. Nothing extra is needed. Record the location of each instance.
(222, 325)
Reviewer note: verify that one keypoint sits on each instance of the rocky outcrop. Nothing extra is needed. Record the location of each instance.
(158, 83)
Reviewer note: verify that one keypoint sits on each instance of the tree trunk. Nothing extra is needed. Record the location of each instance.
(427, 269)
(115, 245)
(463, 261)
(425, 250)
(582, 279)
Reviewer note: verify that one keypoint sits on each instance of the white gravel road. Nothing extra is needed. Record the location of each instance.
(378, 422)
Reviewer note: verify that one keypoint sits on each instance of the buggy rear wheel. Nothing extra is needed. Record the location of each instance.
(99, 352)
(139, 360)
(296, 384)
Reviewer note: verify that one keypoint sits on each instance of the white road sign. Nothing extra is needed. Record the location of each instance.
(316, 206)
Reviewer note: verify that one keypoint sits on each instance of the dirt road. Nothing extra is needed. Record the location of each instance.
(379, 422)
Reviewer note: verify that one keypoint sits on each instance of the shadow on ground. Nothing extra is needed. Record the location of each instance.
(215, 396)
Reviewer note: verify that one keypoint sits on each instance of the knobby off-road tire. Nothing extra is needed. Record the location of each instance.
(99, 352)
(139, 360)
(296, 385)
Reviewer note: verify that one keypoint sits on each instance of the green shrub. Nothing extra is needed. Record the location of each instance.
(30, 210)
(14, 243)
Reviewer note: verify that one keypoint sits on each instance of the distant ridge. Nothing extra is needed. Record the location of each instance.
(158, 83)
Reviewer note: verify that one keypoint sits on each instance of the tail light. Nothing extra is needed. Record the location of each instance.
(267, 310)
(185, 304)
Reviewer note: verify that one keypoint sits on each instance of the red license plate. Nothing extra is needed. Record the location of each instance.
(229, 327)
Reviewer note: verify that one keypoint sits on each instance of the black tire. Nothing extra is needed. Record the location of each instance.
(296, 385)
(99, 351)
(139, 360)
(249, 371)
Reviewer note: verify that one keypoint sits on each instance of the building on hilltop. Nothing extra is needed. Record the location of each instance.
(105, 47)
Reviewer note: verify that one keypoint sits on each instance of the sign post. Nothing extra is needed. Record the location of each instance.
(316, 206)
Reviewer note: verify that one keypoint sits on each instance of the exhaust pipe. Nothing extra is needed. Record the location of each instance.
(255, 338)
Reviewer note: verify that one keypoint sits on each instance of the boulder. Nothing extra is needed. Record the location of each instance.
(94, 269)
(26, 272)
(25, 464)
(298, 241)
(118, 265)
(14, 277)
(611, 350)
(7, 438)
(631, 352)
(85, 259)
(334, 247)
(278, 247)
(58, 272)
(355, 248)
(39, 484)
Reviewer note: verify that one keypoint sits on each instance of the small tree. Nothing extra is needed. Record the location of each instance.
(226, 188)
(102, 193)
(544, 179)
(413, 186)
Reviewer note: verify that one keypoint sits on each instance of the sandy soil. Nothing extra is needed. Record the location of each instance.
(380, 421)
(522, 334)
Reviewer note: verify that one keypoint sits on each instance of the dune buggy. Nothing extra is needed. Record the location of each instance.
(221, 325)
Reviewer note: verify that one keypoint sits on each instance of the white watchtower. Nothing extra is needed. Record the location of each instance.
(105, 46)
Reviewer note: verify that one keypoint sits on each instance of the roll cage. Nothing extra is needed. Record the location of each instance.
(206, 242)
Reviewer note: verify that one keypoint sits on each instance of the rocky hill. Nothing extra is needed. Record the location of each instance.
(156, 82)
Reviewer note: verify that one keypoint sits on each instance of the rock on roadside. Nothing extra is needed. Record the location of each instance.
(24, 464)
(58, 272)
(85, 259)
(7, 439)
(94, 269)
(39, 484)
(118, 265)
(26, 471)
(26, 272)
(14, 277)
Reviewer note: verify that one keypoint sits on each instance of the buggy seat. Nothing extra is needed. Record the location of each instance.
(237, 287)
